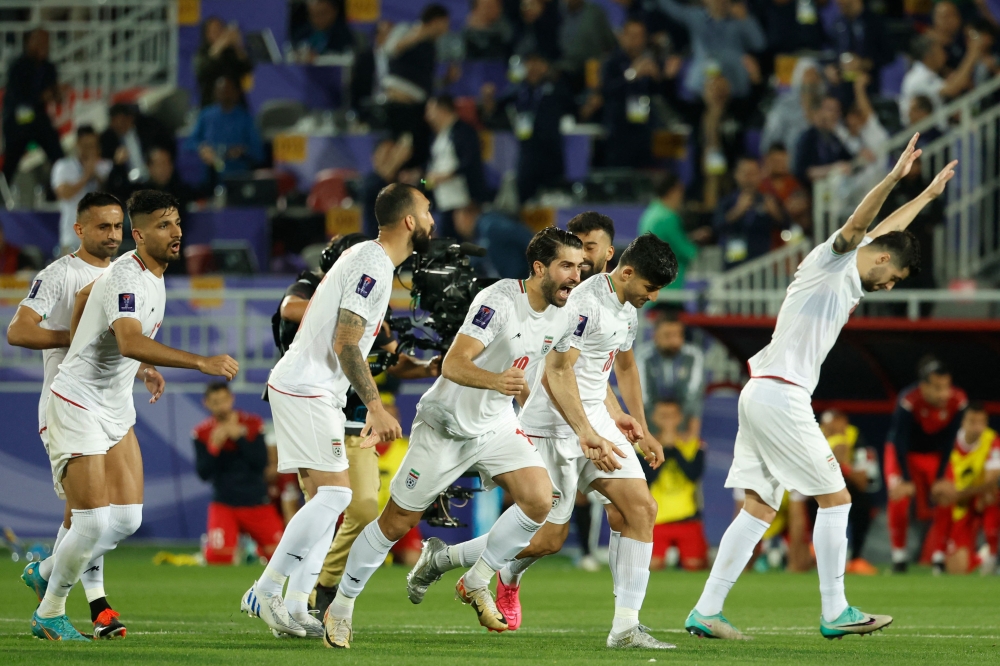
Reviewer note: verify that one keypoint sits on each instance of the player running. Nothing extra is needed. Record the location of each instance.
(604, 309)
(96, 463)
(779, 445)
(42, 321)
(308, 390)
(466, 421)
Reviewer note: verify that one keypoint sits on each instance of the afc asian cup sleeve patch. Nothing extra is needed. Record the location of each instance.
(365, 286)
(580, 326)
(34, 288)
(483, 317)
(126, 302)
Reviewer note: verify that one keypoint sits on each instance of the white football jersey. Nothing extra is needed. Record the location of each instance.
(360, 281)
(825, 291)
(52, 295)
(514, 335)
(95, 375)
(602, 327)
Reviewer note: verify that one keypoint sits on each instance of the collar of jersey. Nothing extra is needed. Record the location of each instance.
(611, 292)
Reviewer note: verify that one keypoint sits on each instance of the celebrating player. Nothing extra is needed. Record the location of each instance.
(779, 445)
(604, 309)
(42, 322)
(308, 391)
(466, 421)
(96, 464)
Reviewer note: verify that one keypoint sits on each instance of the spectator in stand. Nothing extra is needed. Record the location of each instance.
(928, 74)
(790, 113)
(662, 218)
(584, 33)
(387, 161)
(746, 220)
(665, 34)
(921, 106)
(859, 38)
(969, 490)
(538, 29)
(946, 30)
(921, 434)
(455, 172)
(789, 27)
(488, 35)
(676, 487)
(220, 54)
(674, 370)
(533, 108)
(325, 33)
(723, 35)
(409, 83)
(846, 442)
(230, 453)
(819, 151)
(862, 133)
(629, 79)
(74, 177)
(127, 141)
(779, 182)
(12, 259)
(504, 238)
(32, 83)
(225, 135)
(162, 176)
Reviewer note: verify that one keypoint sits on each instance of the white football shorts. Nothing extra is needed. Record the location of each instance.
(309, 433)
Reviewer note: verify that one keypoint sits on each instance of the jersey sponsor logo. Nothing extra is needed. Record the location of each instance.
(34, 288)
(582, 324)
(482, 318)
(126, 302)
(547, 344)
(365, 285)
(412, 478)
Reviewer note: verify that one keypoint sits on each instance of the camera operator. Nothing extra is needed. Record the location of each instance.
(363, 470)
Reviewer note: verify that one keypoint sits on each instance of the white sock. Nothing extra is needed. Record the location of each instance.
(74, 552)
(342, 606)
(461, 555)
(45, 566)
(899, 555)
(303, 578)
(92, 577)
(830, 542)
(307, 526)
(633, 577)
(938, 557)
(735, 551)
(509, 536)
(512, 571)
(123, 521)
(613, 559)
(366, 556)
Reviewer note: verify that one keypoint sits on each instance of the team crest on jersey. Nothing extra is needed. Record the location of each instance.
(832, 462)
(582, 324)
(338, 448)
(126, 302)
(482, 318)
(365, 285)
(34, 288)
(412, 478)
(546, 344)
(556, 497)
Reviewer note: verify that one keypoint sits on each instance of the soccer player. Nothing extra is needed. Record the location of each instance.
(308, 390)
(597, 233)
(779, 445)
(921, 434)
(969, 489)
(603, 309)
(466, 420)
(96, 463)
(42, 321)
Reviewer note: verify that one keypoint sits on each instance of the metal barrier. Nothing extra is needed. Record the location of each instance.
(771, 273)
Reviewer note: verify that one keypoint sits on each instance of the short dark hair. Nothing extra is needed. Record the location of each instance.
(432, 12)
(668, 401)
(976, 406)
(445, 101)
(121, 109)
(216, 386)
(924, 103)
(931, 365)
(84, 130)
(591, 220)
(668, 315)
(652, 259)
(144, 202)
(904, 248)
(665, 184)
(393, 203)
(921, 46)
(97, 200)
(777, 147)
(544, 246)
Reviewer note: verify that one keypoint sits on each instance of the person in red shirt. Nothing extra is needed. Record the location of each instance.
(923, 429)
(11, 258)
(231, 454)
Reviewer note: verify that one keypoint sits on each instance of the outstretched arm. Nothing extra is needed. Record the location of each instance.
(133, 344)
(906, 213)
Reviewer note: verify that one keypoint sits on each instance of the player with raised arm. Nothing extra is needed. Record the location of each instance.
(42, 321)
(96, 463)
(308, 390)
(466, 421)
(779, 445)
(604, 310)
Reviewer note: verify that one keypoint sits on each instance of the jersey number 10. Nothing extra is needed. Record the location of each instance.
(520, 363)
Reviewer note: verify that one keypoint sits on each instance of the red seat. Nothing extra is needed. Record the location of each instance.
(287, 182)
(329, 189)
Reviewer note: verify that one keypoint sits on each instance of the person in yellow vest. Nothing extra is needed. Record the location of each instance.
(676, 487)
(846, 442)
(970, 487)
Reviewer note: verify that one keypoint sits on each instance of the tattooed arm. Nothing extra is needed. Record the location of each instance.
(382, 426)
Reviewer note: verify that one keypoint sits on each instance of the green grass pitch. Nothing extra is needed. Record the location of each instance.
(186, 615)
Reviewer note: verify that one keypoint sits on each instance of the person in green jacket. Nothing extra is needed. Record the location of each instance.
(663, 220)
